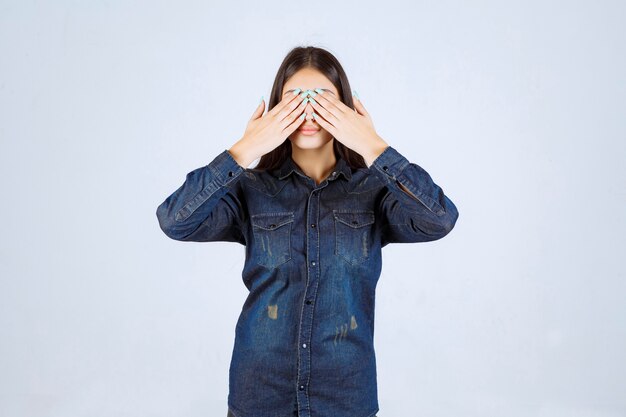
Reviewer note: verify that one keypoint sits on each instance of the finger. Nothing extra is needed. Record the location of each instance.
(287, 98)
(297, 112)
(289, 108)
(321, 110)
(325, 124)
(259, 110)
(360, 108)
(294, 124)
(332, 103)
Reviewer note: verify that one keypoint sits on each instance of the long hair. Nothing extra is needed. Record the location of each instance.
(320, 59)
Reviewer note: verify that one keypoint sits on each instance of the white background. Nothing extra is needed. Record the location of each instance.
(516, 109)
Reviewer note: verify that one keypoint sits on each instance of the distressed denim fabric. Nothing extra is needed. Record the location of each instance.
(304, 339)
(229, 413)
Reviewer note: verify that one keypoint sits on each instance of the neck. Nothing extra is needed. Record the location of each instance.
(315, 163)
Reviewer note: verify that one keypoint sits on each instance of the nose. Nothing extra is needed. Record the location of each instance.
(308, 110)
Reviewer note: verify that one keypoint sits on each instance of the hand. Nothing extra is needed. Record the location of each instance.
(353, 128)
(265, 132)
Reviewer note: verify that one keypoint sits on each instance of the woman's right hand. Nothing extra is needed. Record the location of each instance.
(265, 132)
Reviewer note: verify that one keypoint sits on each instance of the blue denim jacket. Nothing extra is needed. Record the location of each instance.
(304, 338)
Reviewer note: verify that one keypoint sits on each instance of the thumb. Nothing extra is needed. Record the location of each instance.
(358, 106)
(259, 109)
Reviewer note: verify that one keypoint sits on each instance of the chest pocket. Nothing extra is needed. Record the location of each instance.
(272, 238)
(353, 234)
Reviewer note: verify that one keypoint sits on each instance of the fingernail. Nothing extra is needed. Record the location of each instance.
(312, 93)
(261, 101)
(296, 91)
(302, 116)
(304, 94)
(306, 100)
(354, 93)
(314, 115)
(319, 90)
(312, 100)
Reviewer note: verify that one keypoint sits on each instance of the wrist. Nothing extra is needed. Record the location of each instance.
(374, 151)
(241, 153)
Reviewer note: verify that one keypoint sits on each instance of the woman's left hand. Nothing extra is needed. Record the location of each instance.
(353, 128)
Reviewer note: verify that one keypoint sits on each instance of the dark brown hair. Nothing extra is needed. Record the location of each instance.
(320, 59)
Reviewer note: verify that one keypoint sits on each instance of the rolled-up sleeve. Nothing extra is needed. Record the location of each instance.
(208, 205)
(425, 216)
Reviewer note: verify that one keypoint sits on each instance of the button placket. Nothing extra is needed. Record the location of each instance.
(306, 322)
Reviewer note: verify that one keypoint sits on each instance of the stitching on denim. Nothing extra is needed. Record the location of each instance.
(197, 201)
(289, 216)
(260, 219)
(422, 198)
(358, 212)
(318, 275)
(367, 216)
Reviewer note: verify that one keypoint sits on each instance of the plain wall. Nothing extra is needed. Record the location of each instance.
(516, 109)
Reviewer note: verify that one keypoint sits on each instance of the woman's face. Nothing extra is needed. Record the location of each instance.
(309, 79)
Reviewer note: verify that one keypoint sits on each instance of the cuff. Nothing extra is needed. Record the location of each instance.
(389, 165)
(225, 168)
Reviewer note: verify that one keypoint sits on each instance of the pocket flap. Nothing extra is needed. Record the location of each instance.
(271, 221)
(355, 218)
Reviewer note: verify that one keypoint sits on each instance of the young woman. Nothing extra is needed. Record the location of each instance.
(326, 196)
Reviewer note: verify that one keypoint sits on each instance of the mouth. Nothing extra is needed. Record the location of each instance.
(308, 129)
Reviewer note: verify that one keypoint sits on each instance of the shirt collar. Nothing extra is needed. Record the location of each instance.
(290, 166)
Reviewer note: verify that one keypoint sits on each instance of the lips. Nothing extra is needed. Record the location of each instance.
(308, 129)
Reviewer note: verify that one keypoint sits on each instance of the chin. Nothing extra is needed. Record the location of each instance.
(309, 142)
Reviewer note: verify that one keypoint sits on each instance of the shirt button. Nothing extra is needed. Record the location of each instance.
(308, 301)
(301, 387)
(385, 167)
(313, 263)
(304, 345)
(313, 225)
(230, 173)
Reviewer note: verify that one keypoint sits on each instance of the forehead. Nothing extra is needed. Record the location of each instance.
(308, 78)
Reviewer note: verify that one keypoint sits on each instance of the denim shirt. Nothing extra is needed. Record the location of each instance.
(304, 338)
